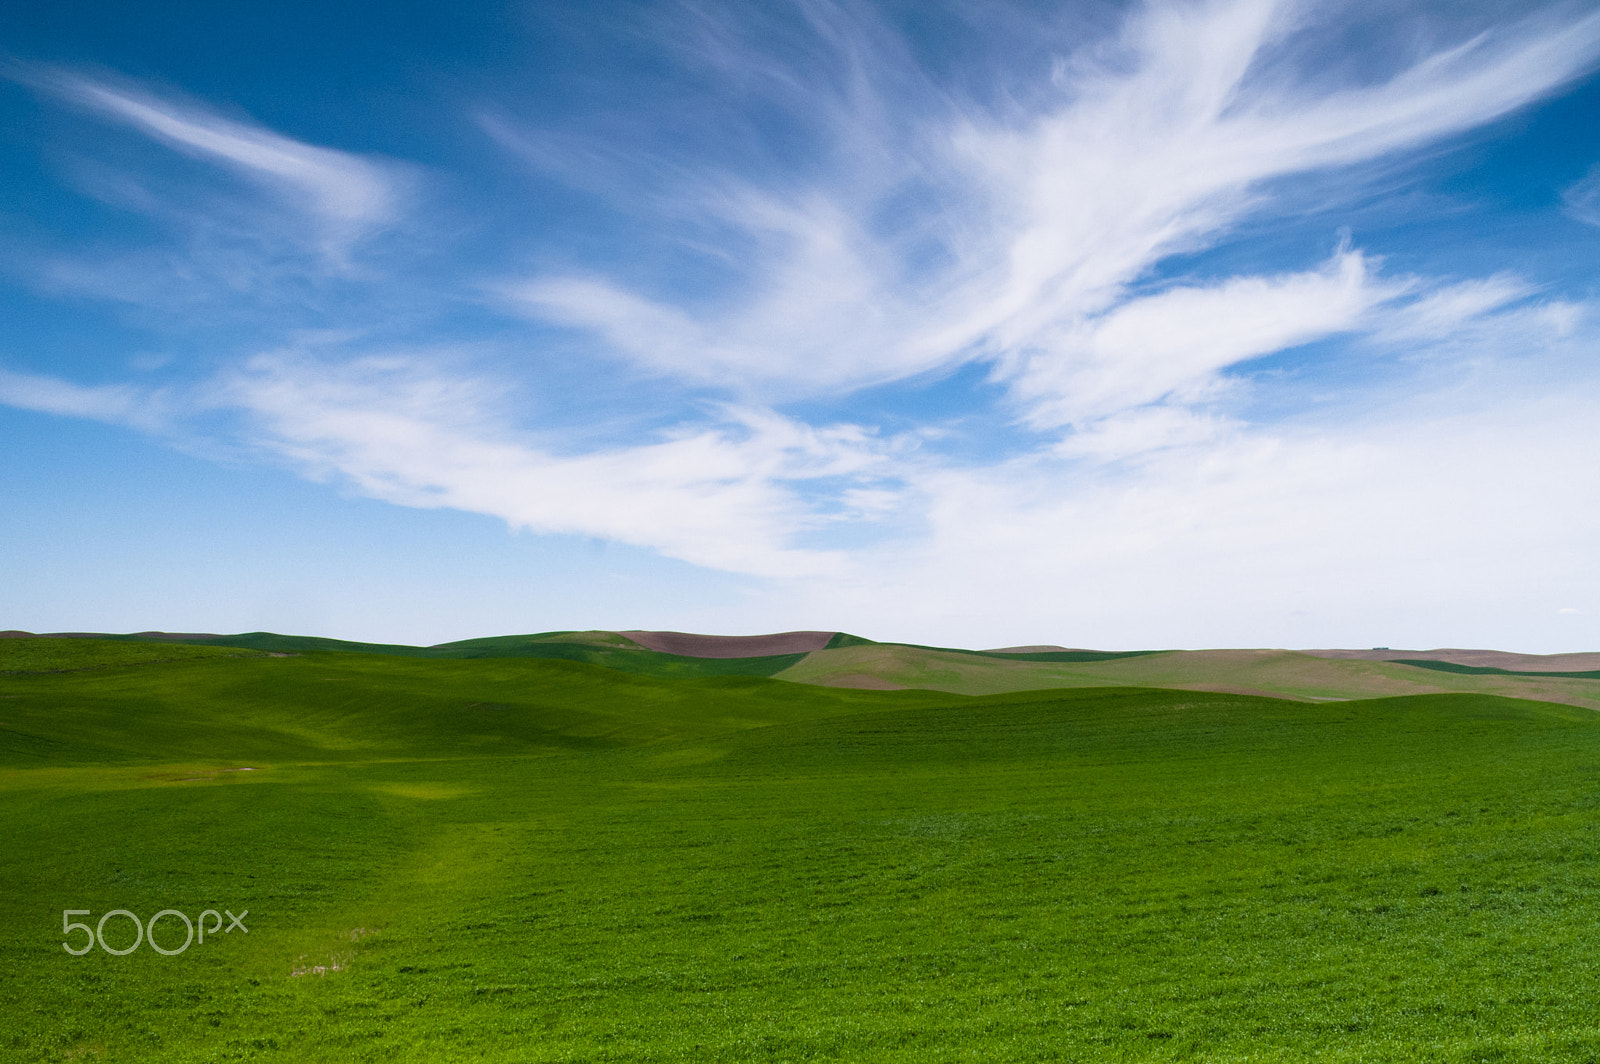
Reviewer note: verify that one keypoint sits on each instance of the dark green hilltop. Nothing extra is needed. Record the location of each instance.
(614, 654)
(573, 847)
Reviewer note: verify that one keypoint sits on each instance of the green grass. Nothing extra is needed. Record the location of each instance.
(71, 655)
(514, 859)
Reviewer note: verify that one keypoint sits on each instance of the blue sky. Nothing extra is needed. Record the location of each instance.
(1187, 324)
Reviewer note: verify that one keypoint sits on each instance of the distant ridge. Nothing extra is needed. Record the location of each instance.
(1042, 648)
(788, 644)
(690, 645)
(1492, 659)
(839, 659)
(143, 637)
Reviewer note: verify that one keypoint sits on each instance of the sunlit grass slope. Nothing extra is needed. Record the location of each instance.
(528, 860)
(71, 655)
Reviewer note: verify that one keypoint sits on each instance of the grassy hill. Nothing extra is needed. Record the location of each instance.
(1276, 673)
(18, 656)
(854, 662)
(527, 859)
(609, 649)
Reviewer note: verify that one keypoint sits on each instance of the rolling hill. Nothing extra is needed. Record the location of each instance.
(514, 858)
(838, 659)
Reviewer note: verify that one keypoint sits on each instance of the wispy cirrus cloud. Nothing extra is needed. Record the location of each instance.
(725, 494)
(1449, 308)
(345, 195)
(1582, 197)
(737, 492)
(997, 234)
(1172, 345)
(116, 403)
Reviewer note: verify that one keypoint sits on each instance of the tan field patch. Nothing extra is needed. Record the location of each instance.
(864, 682)
(1478, 659)
(1274, 673)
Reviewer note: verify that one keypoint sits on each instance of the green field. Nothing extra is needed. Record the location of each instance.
(530, 859)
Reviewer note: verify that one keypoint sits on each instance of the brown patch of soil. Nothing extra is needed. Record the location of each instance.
(1043, 648)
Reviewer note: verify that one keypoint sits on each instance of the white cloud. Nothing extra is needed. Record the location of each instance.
(1443, 525)
(1160, 152)
(657, 335)
(1035, 227)
(1143, 431)
(396, 430)
(346, 194)
(1175, 342)
(49, 395)
(1459, 88)
(1449, 308)
(822, 315)
(734, 494)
